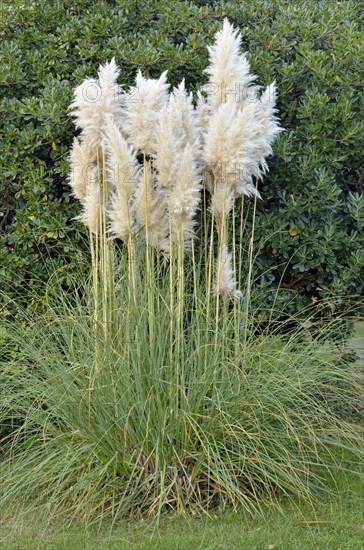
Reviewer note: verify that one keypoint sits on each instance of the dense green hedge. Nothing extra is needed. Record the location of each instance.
(310, 224)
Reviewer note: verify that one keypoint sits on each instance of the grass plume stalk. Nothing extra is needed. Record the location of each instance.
(187, 407)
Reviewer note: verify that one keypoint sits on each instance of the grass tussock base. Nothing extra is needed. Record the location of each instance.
(161, 408)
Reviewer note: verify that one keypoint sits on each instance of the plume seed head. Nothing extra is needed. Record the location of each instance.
(96, 98)
(143, 105)
(82, 168)
(228, 70)
(226, 284)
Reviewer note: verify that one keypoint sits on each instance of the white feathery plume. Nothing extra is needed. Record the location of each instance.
(143, 104)
(228, 70)
(222, 201)
(217, 155)
(123, 171)
(168, 146)
(177, 126)
(238, 134)
(269, 126)
(203, 116)
(151, 209)
(230, 150)
(177, 151)
(251, 136)
(91, 207)
(225, 284)
(244, 137)
(203, 112)
(217, 149)
(182, 110)
(83, 166)
(184, 197)
(228, 134)
(94, 99)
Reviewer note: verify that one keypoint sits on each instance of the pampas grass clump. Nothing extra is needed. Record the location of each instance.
(147, 390)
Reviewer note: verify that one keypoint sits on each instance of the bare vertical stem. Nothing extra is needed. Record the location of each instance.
(222, 241)
(105, 251)
(210, 261)
(94, 275)
(250, 270)
(171, 296)
(195, 295)
(180, 383)
(131, 266)
(240, 262)
(210, 275)
(241, 231)
(236, 305)
(205, 227)
(149, 275)
(180, 288)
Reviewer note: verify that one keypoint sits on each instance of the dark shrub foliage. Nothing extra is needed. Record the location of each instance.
(309, 235)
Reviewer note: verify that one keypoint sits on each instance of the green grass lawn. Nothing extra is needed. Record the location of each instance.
(335, 523)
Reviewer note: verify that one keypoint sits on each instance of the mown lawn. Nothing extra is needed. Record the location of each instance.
(335, 523)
